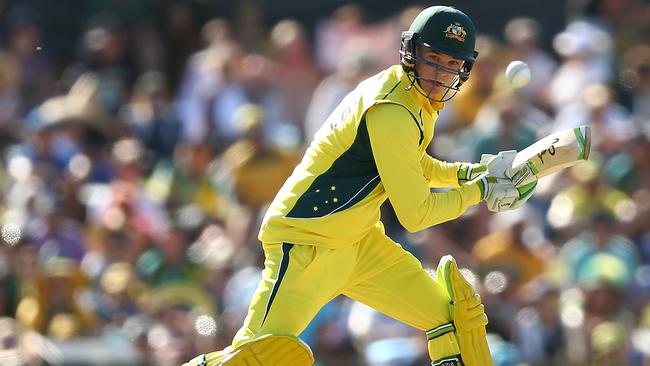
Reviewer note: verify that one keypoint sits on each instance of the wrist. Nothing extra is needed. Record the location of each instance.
(474, 191)
(482, 182)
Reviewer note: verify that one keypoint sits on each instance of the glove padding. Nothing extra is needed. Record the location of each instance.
(498, 194)
(499, 165)
(467, 312)
(525, 192)
(470, 171)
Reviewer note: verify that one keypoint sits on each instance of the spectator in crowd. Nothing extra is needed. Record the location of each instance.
(523, 36)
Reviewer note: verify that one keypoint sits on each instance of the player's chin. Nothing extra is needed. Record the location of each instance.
(437, 88)
(436, 93)
(439, 91)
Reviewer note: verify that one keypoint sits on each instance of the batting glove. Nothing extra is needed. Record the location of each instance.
(498, 193)
(470, 171)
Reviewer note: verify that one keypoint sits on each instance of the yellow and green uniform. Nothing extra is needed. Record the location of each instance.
(322, 235)
(372, 147)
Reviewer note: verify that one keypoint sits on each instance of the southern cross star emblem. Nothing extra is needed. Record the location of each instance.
(456, 31)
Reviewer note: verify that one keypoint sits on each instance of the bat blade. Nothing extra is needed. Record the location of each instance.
(551, 154)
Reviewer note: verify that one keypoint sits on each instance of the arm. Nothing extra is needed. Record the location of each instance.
(394, 141)
(440, 173)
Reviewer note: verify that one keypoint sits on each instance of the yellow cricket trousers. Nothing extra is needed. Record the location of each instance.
(299, 279)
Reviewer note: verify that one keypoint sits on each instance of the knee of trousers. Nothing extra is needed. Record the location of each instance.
(269, 350)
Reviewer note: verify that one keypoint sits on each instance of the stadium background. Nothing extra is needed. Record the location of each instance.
(141, 140)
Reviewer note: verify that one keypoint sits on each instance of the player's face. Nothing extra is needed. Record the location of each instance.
(437, 72)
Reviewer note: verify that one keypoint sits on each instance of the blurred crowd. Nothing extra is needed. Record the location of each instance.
(133, 179)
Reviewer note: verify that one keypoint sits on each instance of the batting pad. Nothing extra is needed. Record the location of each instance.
(444, 350)
(467, 313)
(267, 350)
(209, 359)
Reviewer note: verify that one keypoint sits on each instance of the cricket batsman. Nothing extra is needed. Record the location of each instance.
(322, 235)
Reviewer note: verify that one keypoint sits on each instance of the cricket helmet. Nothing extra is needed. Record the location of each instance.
(442, 29)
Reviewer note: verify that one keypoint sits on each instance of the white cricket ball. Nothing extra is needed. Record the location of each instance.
(518, 74)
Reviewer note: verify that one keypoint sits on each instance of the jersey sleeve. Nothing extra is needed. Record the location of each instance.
(439, 173)
(394, 139)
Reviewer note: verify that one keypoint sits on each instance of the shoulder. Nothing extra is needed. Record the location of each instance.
(382, 85)
(394, 120)
(388, 110)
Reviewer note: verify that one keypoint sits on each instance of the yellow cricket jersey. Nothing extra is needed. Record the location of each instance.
(372, 147)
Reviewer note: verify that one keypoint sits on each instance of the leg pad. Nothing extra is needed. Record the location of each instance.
(267, 350)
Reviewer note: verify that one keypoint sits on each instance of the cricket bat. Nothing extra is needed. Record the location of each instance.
(551, 154)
